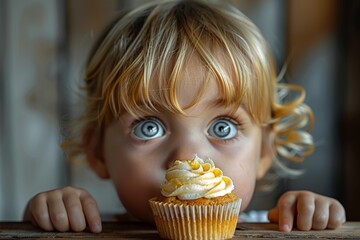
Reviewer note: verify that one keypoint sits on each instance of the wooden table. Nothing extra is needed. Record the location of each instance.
(131, 230)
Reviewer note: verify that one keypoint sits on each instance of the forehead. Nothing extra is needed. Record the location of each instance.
(193, 81)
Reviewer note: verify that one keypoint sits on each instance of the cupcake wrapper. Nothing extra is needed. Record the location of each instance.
(178, 221)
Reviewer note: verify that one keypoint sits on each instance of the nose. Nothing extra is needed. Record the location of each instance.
(186, 147)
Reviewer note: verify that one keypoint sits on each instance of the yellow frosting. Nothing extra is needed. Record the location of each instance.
(196, 178)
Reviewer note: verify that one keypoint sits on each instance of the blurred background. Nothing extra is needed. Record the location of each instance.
(43, 49)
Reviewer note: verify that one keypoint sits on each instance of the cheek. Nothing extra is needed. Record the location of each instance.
(135, 180)
(136, 171)
(244, 188)
(244, 179)
(135, 190)
(241, 167)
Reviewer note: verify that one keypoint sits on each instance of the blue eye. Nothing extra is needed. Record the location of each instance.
(222, 128)
(148, 129)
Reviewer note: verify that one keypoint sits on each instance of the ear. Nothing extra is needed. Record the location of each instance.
(94, 152)
(267, 153)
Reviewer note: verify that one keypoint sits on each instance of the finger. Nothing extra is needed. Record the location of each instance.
(91, 212)
(273, 215)
(336, 215)
(286, 207)
(75, 212)
(40, 214)
(321, 214)
(57, 211)
(305, 211)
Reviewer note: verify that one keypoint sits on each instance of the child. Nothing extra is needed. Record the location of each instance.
(174, 79)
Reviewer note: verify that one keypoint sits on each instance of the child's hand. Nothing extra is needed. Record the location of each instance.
(64, 209)
(307, 210)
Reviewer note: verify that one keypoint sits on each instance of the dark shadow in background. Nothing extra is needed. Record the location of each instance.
(350, 37)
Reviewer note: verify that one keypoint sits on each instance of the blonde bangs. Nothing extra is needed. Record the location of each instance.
(148, 82)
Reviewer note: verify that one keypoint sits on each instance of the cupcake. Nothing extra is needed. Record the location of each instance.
(197, 202)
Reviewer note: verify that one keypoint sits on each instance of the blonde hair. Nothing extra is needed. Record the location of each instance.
(158, 38)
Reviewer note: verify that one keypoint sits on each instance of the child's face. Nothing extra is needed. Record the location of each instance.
(137, 152)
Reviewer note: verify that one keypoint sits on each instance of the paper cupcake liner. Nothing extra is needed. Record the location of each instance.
(179, 221)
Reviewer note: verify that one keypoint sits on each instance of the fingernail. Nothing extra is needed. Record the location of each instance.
(286, 228)
(96, 228)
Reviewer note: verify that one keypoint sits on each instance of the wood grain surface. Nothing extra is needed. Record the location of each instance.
(131, 230)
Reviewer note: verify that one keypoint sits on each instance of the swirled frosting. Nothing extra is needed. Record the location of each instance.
(196, 178)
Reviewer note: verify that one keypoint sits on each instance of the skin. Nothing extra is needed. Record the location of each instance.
(137, 165)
